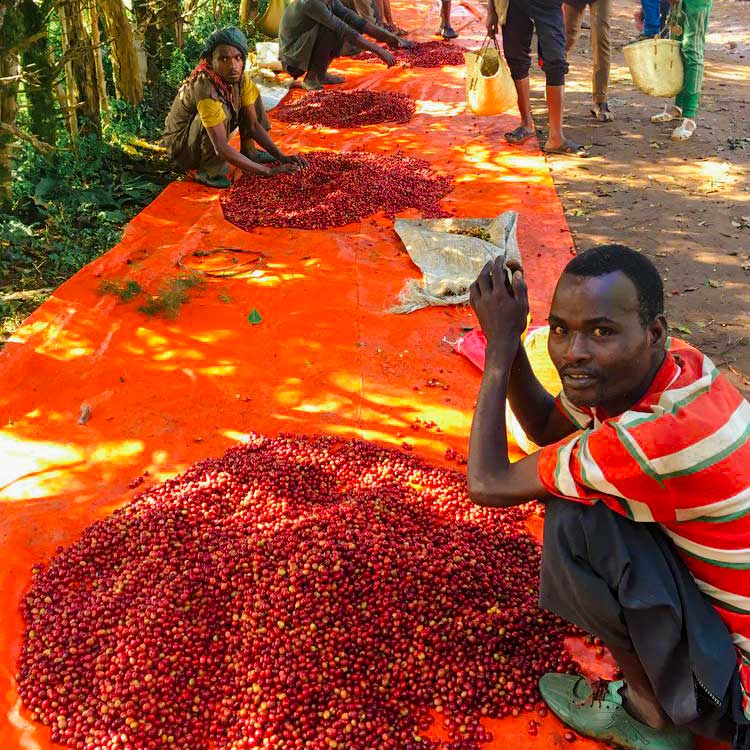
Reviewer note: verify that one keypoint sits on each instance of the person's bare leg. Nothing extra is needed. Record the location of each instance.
(446, 30)
(555, 101)
(639, 699)
(387, 12)
(381, 10)
(524, 103)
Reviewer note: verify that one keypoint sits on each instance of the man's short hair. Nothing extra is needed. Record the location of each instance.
(604, 259)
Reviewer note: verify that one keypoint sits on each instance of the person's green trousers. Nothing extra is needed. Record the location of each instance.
(694, 21)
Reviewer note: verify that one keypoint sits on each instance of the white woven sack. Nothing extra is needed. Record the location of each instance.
(451, 262)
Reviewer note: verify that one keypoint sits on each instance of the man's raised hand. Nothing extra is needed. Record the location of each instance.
(501, 306)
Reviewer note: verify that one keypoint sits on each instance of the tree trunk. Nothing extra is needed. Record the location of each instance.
(10, 30)
(248, 10)
(84, 64)
(71, 89)
(129, 74)
(36, 62)
(147, 25)
(8, 109)
(101, 81)
(158, 25)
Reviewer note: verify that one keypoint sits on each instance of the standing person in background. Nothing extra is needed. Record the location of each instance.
(599, 12)
(694, 23)
(651, 18)
(446, 30)
(522, 18)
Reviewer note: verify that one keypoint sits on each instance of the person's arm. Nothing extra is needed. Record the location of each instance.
(360, 26)
(385, 36)
(250, 127)
(492, 20)
(492, 479)
(218, 136)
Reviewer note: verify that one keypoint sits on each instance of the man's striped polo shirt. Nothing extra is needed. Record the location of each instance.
(679, 457)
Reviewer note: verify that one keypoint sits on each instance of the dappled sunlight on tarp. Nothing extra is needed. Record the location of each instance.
(36, 469)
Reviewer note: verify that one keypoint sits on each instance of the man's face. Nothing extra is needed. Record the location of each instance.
(228, 63)
(604, 354)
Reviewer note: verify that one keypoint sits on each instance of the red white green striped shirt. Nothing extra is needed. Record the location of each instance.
(680, 457)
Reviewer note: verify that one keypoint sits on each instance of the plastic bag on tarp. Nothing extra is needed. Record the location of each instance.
(473, 346)
(267, 56)
(271, 92)
(490, 89)
(450, 262)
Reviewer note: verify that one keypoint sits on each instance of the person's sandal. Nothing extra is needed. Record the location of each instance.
(668, 114)
(602, 112)
(519, 135)
(447, 32)
(597, 711)
(684, 130)
(567, 148)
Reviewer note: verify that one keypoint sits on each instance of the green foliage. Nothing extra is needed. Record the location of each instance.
(125, 289)
(68, 210)
(171, 297)
(178, 69)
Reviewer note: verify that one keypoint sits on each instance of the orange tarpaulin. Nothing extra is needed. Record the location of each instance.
(94, 393)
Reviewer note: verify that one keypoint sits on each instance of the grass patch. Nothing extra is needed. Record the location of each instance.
(171, 297)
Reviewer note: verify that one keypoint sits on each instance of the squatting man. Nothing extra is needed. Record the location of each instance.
(217, 98)
(645, 475)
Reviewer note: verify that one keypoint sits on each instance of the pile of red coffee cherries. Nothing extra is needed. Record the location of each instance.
(425, 55)
(336, 189)
(297, 593)
(347, 109)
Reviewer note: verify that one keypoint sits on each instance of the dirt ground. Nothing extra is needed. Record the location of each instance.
(685, 205)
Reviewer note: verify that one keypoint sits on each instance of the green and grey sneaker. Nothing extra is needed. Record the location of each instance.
(600, 714)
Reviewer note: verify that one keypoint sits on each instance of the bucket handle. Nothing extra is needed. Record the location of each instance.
(673, 21)
(480, 54)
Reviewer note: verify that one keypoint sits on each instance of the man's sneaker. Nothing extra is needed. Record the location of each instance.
(600, 714)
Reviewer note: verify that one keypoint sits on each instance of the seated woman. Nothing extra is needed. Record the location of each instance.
(217, 98)
(313, 33)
